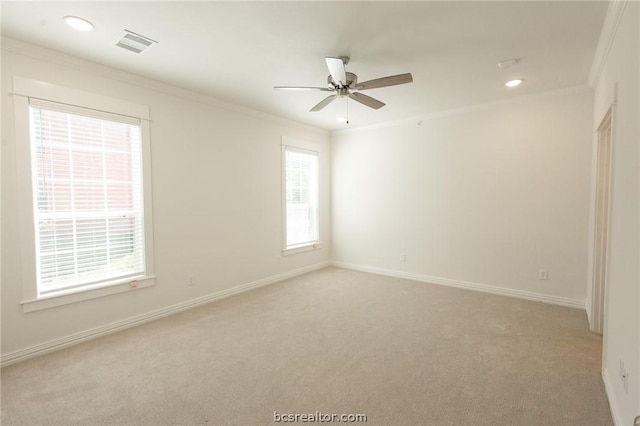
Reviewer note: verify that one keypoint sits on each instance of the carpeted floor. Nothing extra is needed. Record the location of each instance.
(334, 341)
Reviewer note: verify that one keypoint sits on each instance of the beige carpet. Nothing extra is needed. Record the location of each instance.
(334, 341)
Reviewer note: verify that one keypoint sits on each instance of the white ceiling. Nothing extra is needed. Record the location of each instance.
(237, 51)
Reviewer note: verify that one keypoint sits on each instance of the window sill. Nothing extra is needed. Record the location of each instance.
(80, 295)
(302, 248)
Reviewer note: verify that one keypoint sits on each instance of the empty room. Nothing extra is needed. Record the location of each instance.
(259, 213)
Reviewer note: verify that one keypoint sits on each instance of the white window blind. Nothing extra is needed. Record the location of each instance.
(301, 196)
(88, 198)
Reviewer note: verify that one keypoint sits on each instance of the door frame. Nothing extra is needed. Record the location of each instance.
(602, 207)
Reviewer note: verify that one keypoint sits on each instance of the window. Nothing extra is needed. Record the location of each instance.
(301, 197)
(88, 214)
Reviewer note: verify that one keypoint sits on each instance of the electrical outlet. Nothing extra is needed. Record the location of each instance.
(403, 257)
(190, 280)
(543, 274)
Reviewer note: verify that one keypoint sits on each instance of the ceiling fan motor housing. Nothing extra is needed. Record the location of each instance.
(352, 80)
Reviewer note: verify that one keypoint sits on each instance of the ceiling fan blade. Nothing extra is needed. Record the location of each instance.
(326, 101)
(337, 71)
(385, 81)
(366, 100)
(322, 89)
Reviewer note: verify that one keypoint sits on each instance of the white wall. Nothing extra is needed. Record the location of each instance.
(487, 196)
(216, 197)
(622, 311)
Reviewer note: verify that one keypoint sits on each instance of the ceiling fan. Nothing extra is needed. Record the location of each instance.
(345, 84)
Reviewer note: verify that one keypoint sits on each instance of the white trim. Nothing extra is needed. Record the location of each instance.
(147, 201)
(613, 403)
(308, 148)
(94, 333)
(300, 145)
(83, 111)
(79, 98)
(593, 311)
(607, 36)
(314, 245)
(86, 293)
(592, 218)
(72, 62)
(612, 147)
(501, 291)
(50, 95)
(419, 119)
(25, 197)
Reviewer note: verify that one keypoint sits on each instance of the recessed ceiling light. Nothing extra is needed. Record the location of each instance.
(78, 24)
(513, 83)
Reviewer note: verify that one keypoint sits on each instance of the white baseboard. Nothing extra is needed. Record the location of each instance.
(74, 339)
(587, 307)
(608, 387)
(520, 294)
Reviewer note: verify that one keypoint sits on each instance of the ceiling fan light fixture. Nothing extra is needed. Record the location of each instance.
(514, 83)
(78, 24)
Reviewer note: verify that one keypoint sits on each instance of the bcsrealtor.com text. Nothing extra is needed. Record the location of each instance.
(318, 417)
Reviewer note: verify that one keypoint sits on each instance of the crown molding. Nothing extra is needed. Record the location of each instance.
(607, 36)
(79, 64)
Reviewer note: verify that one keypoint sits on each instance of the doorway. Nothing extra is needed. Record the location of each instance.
(601, 223)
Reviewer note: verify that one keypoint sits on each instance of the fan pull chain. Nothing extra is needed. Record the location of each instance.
(347, 110)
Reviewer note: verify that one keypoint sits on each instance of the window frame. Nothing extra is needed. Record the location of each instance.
(25, 90)
(300, 146)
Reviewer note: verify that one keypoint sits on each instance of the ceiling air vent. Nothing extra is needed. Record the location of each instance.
(134, 42)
